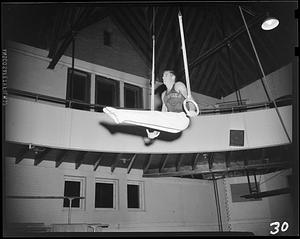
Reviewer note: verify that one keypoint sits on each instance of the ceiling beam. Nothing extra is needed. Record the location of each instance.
(179, 161)
(164, 22)
(236, 57)
(229, 56)
(250, 57)
(114, 165)
(188, 22)
(21, 154)
(208, 32)
(221, 44)
(141, 22)
(197, 84)
(227, 159)
(139, 28)
(211, 67)
(163, 45)
(131, 37)
(209, 81)
(200, 30)
(40, 157)
(219, 168)
(83, 20)
(265, 45)
(148, 162)
(228, 72)
(59, 159)
(210, 160)
(246, 161)
(164, 159)
(196, 158)
(97, 163)
(131, 163)
(63, 47)
(223, 83)
(58, 28)
(79, 159)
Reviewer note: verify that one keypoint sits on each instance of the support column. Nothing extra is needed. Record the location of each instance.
(122, 95)
(217, 203)
(93, 90)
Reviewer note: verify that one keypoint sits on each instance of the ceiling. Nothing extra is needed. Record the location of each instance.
(219, 53)
(193, 165)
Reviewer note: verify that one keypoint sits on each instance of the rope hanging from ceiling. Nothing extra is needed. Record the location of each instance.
(186, 70)
(264, 77)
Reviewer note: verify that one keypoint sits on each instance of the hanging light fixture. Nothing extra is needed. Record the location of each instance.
(269, 23)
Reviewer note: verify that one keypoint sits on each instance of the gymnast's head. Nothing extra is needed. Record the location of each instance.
(169, 78)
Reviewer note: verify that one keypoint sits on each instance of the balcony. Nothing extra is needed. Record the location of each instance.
(43, 124)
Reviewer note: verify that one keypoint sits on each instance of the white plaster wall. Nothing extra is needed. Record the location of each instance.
(27, 71)
(171, 204)
(279, 83)
(256, 216)
(121, 55)
(282, 205)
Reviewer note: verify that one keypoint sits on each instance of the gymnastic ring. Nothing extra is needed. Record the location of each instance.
(192, 101)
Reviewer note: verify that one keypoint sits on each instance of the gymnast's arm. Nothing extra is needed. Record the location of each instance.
(180, 87)
(164, 107)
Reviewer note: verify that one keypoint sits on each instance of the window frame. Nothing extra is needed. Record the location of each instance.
(101, 79)
(141, 186)
(87, 88)
(138, 95)
(82, 192)
(107, 38)
(115, 183)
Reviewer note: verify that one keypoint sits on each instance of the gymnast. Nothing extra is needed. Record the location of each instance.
(172, 99)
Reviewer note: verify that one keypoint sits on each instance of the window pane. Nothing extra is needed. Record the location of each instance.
(107, 38)
(240, 189)
(78, 89)
(133, 96)
(78, 92)
(107, 92)
(104, 195)
(133, 196)
(72, 188)
(130, 99)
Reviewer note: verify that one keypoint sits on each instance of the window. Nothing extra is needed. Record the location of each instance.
(135, 199)
(133, 96)
(240, 189)
(107, 38)
(106, 193)
(78, 89)
(74, 187)
(107, 92)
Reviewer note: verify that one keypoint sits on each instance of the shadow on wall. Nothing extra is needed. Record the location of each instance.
(138, 131)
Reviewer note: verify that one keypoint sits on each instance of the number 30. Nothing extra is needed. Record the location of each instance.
(283, 228)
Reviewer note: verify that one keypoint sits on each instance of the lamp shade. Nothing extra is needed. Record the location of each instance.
(269, 23)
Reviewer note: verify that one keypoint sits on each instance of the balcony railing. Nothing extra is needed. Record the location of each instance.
(230, 109)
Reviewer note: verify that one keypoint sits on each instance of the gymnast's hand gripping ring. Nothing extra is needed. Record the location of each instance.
(190, 113)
